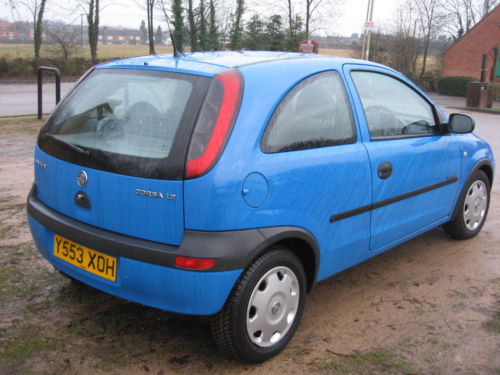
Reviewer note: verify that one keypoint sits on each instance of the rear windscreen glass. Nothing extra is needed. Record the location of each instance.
(130, 116)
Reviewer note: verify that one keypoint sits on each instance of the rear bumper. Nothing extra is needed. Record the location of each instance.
(170, 289)
(143, 272)
(146, 270)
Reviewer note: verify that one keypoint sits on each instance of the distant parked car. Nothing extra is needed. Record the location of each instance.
(229, 183)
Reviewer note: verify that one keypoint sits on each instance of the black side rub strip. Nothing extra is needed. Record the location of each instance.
(385, 202)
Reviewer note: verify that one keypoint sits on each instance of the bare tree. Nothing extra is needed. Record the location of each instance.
(464, 14)
(150, 4)
(176, 21)
(431, 19)
(311, 9)
(66, 38)
(36, 8)
(406, 44)
(294, 33)
(487, 6)
(321, 12)
(224, 16)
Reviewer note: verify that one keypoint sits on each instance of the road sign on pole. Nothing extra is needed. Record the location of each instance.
(369, 26)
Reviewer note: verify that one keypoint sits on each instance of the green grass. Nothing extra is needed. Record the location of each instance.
(20, 119)
(23, 342)
(20, 126)
(493, 325)
(12, 51)
(381, 361)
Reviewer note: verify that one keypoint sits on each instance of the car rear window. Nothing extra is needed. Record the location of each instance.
(133, 117)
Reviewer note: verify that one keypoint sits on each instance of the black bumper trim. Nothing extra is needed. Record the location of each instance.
(99, 239)
(232, 249)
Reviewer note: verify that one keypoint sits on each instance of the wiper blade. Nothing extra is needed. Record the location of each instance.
(75, 148)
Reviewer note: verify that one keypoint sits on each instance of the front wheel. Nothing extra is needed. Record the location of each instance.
(472, 208)
(264, 308)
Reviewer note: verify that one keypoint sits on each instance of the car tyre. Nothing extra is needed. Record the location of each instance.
(472, 208)
(264, 309)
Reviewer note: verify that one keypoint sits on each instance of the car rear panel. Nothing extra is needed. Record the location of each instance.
(126, 132)
(118, 203)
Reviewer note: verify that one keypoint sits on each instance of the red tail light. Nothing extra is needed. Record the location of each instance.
(214, 123)
(194, 263)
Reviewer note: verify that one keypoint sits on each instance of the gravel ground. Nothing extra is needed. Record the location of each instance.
(429, 306)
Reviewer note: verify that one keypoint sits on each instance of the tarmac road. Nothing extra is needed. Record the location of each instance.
(21, 98)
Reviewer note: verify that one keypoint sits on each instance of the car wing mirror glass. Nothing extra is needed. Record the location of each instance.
(462, 124)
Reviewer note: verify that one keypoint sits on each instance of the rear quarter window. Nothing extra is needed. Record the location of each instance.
(315, 113)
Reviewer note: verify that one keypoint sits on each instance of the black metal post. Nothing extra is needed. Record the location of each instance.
(39, 82)
(493, 71)
(483, 68)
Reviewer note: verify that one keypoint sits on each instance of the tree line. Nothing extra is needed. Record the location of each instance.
(416, 26)
(204, 25)
(198, 25)
(199, 28)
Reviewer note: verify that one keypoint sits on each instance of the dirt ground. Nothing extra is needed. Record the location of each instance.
(429, 306)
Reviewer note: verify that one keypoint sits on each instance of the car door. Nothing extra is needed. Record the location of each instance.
(318, 170)
(415, 162)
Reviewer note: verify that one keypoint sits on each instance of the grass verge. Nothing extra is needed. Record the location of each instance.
(380, 361)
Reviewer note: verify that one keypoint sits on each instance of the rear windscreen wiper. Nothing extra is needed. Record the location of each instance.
(75, 148)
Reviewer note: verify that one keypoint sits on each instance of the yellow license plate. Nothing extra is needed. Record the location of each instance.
(87, 259)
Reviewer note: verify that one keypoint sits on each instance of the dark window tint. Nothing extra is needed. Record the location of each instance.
(392, 108)
(133, 122)
(316, 113)
(123, 113)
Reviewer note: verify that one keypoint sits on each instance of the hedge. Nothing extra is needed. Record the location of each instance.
(493, 91)
(454, 86)
(21, 67)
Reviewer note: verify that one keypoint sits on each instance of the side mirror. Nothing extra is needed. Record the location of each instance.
(462, 124)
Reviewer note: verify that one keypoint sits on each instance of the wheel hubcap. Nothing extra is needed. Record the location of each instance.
(475, 205)
(272, 307)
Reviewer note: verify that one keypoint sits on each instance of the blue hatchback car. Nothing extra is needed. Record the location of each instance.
(229, 183)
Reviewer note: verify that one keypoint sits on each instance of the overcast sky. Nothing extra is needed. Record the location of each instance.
(127, 13)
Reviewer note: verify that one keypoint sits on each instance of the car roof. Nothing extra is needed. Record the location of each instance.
(211, 63)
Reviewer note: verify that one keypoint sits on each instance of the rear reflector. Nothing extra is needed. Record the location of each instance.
(214, 123)
(194, 263)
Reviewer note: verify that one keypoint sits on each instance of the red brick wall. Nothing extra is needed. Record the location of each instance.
(465, 56)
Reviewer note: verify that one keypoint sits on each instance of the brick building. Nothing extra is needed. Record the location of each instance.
(109, 35)
(8, 31)
(17, 32)
(464, 57)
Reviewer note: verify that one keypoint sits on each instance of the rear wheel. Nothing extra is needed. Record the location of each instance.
(264, 309)
(472, 208)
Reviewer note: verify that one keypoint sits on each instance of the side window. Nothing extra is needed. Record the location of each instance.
(392, 108)
(315, 113)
